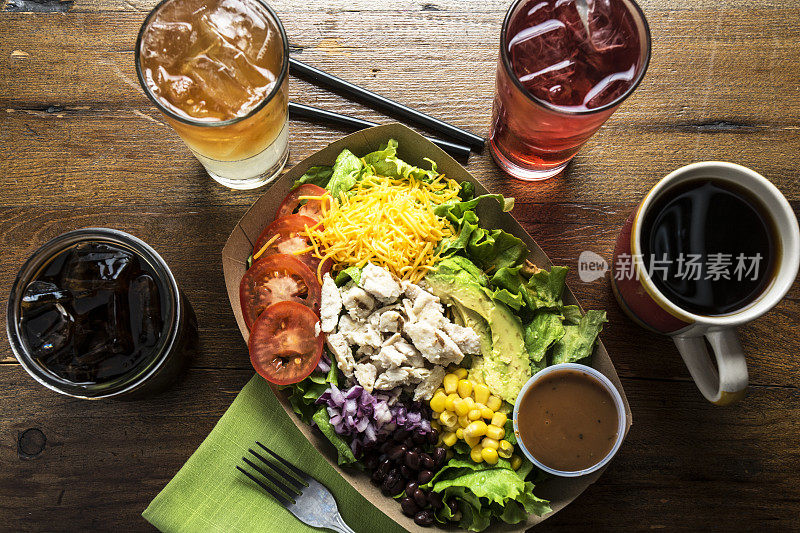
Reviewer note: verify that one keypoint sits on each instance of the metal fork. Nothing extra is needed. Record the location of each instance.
(304, 497)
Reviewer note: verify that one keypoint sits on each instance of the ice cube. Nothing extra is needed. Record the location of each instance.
(145, 311)
(42, 292)
(48, 328)
(92, 267)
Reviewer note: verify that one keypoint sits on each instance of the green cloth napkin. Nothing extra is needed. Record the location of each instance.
(209, 494)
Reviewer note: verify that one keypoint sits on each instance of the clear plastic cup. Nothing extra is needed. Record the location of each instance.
(618, 403)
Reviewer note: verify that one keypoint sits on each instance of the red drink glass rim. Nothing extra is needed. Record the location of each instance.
(205, 123)
(637, 12)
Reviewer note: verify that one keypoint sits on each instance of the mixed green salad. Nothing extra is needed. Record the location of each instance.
(424, 407)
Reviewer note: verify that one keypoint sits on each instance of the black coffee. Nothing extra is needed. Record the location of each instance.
(709, 246)
(93, 313)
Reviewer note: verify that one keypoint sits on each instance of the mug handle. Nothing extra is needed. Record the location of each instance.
(726, 383)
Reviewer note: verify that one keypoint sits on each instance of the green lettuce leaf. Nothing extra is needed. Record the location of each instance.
(384, 162)
(345, 173)
(463, 217)
(316, 175)
(545, 329)
(572, 314)
(486, 491)
(578, 340)
(495, 249)
(513, 300)
(323, 422)
(545, 288)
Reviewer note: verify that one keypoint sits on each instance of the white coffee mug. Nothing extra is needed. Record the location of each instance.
(693, 333)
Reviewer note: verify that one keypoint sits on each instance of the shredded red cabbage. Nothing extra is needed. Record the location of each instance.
(365, 417)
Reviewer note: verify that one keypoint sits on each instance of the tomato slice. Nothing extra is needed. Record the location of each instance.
(284, 345)
(290, 240)
(311, 208)
(277, 278)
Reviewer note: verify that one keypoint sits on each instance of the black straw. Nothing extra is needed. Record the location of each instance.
(316, 114)
(385, 104)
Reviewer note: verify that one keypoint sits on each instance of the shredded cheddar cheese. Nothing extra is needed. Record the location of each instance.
(386, 221)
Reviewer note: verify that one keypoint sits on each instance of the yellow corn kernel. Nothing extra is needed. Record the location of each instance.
(448, 418)
(505, 449)
(449, 402)
(489, 455)
(471, 441)
(461, 407)
(464, 421)
(470, 402)
(476, 429)
(487, 413)
(440, 389)
(461, 373)
(499, 420)
(449, 439)
(490, 443)
(450, 383)
(476, 454)
(460, 433)
(481, 393)
(516, 462)
(436, 425)
(475, 414)
(464, 388)
(438, 402)
(494, 403)
(495, 432)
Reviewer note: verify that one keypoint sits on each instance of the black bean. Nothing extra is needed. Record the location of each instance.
(453, 505)
(433, 436)
(427, 462)
(382, 457)
(411, 487)
(378, 476)
(402, 434)
(370, 445)
(407, 473)
(416, 449)
(396, 452)
(419, 437)
(385, 466)
(385, 446)
(439, 456)
(435, 499)
(423, 518)
(389, 485)
(420, 498)
(409, 507)
(412, 460)
(424, 476)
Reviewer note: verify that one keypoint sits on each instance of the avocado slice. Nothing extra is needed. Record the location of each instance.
(505, 364)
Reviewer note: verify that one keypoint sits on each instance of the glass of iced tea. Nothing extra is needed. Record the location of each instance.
(218, 69)
(558, 79)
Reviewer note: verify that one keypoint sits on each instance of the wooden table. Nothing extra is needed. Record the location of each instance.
(80, 145)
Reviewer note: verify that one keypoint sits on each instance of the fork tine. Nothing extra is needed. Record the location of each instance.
(287, 477)
(290, 492)
(283, 501)
(302, 475)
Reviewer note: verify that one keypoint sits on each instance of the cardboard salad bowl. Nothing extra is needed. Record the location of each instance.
(413, 148)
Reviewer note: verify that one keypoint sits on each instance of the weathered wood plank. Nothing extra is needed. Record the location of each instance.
(683, 458)
(97, 136)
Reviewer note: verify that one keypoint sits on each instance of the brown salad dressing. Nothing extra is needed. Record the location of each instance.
(568, 420)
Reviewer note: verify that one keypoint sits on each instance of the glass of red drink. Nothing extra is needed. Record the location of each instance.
(557, 83)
